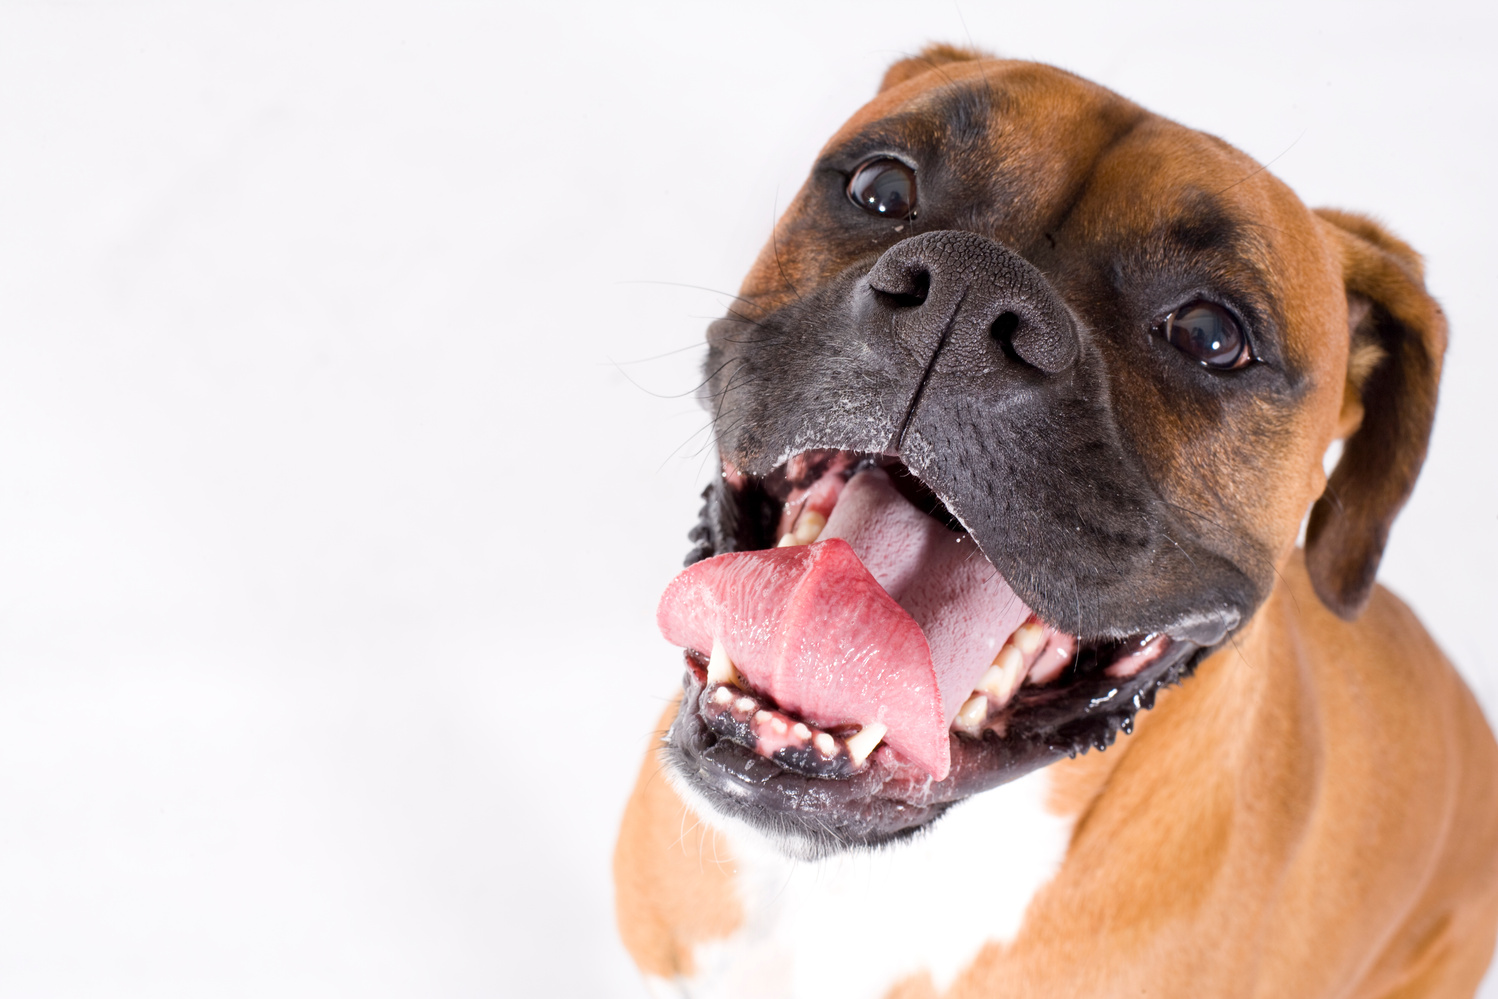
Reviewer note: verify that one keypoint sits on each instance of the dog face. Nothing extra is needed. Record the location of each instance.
(1105, 350)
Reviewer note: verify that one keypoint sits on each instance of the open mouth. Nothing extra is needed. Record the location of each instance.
(857, 665)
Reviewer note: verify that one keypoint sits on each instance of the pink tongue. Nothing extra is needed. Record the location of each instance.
(964, 607)
(889, 617)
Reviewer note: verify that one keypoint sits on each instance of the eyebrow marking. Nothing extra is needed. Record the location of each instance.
(1203, 223)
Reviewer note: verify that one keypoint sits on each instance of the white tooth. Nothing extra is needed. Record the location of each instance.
(972, 716)
(723, 695)
(744, 705)
(862, 743)
(825, 744)
(1003, 678)
(809, 527)
(801, 731)
(1028, 637)
(720, 668)
(999, 684)
(1010, 657)
(762, 716)
(787, 541)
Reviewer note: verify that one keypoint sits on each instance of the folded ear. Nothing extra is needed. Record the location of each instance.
(932, 56)
(1394, 368)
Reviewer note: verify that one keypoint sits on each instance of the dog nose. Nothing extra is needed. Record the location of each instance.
(964, 289)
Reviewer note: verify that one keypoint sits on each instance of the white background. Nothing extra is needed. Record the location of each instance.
(335, 496)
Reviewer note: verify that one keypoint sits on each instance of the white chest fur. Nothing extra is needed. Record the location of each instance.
(855, 925)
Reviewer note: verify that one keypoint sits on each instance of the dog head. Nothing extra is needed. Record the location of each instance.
(1106, 351)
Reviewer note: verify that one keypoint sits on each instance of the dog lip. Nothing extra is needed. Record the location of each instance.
(819, 809)
(1208, 629)
(816, 816)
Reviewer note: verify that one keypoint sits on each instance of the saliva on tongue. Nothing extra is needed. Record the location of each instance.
(889, 617)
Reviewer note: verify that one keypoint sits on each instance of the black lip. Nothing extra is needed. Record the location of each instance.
(815, 817)
(813, 814)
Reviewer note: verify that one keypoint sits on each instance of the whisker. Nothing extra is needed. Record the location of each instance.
(694, 287)
(1263, 166)
(696, 345)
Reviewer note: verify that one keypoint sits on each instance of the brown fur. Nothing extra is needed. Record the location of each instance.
(931, 57)
(1278, 834)
(1282, 837)
(1315, 813)
(673, 885)
(1395, 404)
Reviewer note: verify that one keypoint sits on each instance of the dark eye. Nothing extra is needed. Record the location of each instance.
(1208, 333)
(884, 187)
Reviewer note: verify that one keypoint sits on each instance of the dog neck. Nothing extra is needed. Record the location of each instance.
(919, 910)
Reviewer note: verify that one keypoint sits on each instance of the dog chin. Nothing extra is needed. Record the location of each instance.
(746, 748)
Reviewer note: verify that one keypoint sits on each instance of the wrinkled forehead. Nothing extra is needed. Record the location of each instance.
(1017, 92)
(1044, 159)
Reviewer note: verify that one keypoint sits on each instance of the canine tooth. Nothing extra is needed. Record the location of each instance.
(723, 696)
(787, 540)
(745, 705)
(801, 731)
(809, 527)
(720, 668)
(825, 744)
(862, 743)
(973, 714)
(1029, 637)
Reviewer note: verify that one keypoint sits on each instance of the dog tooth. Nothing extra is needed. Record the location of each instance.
(994, 682)
(825, 744)
(809, 527)
(787, 540)
(720, 668)
(1010, 657)
(801, 731)
(1002, 678)
(745, 705)
(723, 696)
(1029, 637)
(971, 717)
(862, 743)
(762, 717)
(777, 725)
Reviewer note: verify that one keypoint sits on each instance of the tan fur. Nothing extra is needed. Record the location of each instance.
(1392, 378)
(1315, 812)
(673, 882)
(931, 57)
(1268, 830)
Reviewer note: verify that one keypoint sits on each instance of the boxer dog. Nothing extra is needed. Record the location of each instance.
(1020, 413)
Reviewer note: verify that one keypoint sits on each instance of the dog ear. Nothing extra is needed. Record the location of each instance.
(932, 56)
(1389, 401)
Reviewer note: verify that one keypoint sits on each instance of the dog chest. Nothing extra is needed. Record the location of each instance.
(857, 924)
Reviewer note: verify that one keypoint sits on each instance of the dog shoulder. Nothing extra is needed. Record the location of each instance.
(1413, 768)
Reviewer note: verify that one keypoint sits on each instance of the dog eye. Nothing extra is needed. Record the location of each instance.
(884, 187)
(1208, 333)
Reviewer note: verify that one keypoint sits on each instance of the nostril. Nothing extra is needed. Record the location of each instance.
(1004, 327)
(911, 292)
(1045, 342)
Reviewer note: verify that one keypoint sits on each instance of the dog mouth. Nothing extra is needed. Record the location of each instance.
(857, 665)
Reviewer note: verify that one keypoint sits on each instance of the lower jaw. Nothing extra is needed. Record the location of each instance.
(888, 800)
